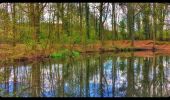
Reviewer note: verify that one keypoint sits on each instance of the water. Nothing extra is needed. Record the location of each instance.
(98, 75)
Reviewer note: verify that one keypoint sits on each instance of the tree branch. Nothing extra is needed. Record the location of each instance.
(41, 9)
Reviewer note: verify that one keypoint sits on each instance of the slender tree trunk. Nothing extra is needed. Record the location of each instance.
(62, 17)
(155, 24)
(100, 22)
(138, 23)
(114, 21)
(58, 24)
(87, 20)
(81, 26)
(13, 23)
(37, 22)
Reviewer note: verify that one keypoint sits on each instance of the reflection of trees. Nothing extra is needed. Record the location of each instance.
(166, 80)
(154, 76)
(51, 78)
(35, 79)
(101, 75)
(130, 76)
(80, 78)
(113, 75)
(145, 81)
(161, 75)
(7, 72)
(87, 77)
(15, 80)
(62, 80)
(154, 86)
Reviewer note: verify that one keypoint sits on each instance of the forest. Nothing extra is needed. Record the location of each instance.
(31, 30)
(85, 49)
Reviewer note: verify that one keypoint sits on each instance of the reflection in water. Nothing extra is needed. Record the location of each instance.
(90, 76)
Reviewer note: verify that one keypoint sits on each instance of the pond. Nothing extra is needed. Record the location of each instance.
(96, 75)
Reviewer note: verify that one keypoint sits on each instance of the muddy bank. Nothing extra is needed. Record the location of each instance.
(21, 52)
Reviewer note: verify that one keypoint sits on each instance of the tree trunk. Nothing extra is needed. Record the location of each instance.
(163, 9)
(130, 22)
(87, 20)
(58, 24)
(37, 22)
(146, 21)
(155, 24)
(100, 22)
(13, 23)
(81, 32)
(114, 21)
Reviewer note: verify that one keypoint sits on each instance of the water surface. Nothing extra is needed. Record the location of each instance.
(100, 75)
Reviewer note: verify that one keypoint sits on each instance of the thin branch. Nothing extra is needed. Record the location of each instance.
(41, 9)
(22, 9)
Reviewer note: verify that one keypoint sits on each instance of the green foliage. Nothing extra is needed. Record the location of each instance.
(92, 33)
(64, 38)
(43, 39)
(75, 39)
(27, 39)
(64, 53)
(68, 28)
(25, 34)
(109, 35)
(122, 26)
(88, 41)
(42, 36)
(75, 53)
(56, 55)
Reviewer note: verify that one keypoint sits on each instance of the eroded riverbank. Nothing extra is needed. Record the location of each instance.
(22, 52)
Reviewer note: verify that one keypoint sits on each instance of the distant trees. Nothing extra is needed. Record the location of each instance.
(35, 11)
(79, 21)
(162, 11)
(5, 19)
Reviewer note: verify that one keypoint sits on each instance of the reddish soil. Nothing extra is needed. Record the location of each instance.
(162, 48)
(143, 44)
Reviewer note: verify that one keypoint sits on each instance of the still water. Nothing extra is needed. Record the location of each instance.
(100, 75)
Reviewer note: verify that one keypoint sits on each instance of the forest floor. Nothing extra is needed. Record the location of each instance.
(21, 51)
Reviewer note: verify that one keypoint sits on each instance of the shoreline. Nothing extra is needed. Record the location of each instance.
(21, 52)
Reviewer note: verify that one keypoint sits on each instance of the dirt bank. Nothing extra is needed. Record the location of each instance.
(23, 52)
